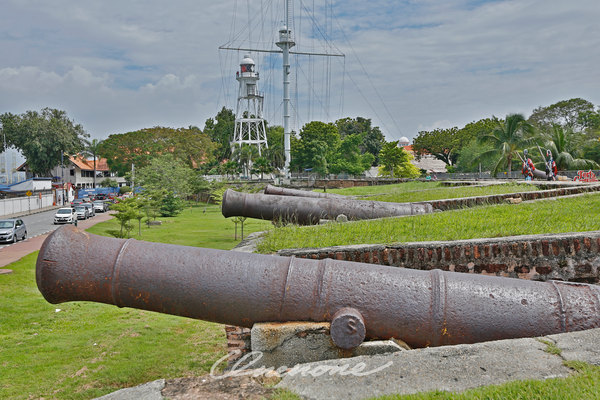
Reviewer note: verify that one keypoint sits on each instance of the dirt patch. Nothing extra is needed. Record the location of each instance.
(210, 388)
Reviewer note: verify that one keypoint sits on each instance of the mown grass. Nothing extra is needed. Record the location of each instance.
(86, 349)
(572, 214)
(585, 384)
(200, 226)
(425, 191)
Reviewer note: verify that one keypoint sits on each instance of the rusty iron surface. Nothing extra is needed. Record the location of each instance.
(308, 210)
(281, 191)
(422, 308)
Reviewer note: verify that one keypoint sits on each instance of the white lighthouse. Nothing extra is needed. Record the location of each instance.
(249, 122)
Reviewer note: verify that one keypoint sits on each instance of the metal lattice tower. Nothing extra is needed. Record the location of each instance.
(249, 122)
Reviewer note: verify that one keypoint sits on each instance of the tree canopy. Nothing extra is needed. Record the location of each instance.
(43, 137)
(188, 145)
(220, 131)
(567, 113)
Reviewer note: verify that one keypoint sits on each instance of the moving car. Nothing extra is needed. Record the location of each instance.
(76, 202)
(90, 208)
(100, 206)
(12, 230)
(82, 212)
(65, 215)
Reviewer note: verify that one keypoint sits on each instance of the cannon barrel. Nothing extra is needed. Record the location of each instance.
(280, 191)
(307, 210)
(423, 308)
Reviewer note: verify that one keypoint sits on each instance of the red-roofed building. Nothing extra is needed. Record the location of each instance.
(79, 171)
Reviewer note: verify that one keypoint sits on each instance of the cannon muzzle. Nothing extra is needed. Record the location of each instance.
(308, 210)
(423, 308)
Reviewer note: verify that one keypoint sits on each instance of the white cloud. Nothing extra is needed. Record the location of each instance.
(117, 66)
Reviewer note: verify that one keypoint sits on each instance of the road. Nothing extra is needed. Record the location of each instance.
(38, 225)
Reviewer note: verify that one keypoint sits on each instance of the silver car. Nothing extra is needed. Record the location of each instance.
(99, 206)
(82, 212)
(90, 208)
(12, 230)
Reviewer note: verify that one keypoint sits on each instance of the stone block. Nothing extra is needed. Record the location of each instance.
(291, 343)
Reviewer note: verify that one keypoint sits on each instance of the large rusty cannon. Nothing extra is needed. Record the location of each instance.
(281, 191)
(308, 210)
(423, 308)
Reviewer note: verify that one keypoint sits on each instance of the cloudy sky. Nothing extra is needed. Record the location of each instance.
(117, 66)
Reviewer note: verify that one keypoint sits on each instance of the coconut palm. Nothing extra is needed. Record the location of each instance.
(507, 138)
(561, 141)
(91, 148)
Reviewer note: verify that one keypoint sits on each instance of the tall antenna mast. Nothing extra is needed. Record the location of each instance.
(285, 42)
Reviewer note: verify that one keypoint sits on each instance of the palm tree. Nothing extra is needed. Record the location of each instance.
(507, 138)
(562, 144)
(91, 149)
(244, 155)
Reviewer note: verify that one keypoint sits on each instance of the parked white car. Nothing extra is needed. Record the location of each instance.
(65, 215)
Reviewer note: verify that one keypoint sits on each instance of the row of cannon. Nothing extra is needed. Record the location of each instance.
(308, 208)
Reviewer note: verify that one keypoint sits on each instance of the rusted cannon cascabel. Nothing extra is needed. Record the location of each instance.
(423, 308)
(308, 210)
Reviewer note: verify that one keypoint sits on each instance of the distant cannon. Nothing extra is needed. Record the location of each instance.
(422, 308)
(308, 210)
(280, 191)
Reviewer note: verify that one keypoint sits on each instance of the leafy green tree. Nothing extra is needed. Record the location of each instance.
(220, 130)
(126, 211)
(245, 155)
(261, 166)
(566, 113)
(275, 153)
(441, 143)
(508, 137)
(188, 145)
(562, 142)
(391, 157)
(231, 168)
(91, 148)
(315, 148)
(469, 159)
(109, 183)
(372, 138)
(171, 205)
(166, 172)
(348, 158)
(43, 137)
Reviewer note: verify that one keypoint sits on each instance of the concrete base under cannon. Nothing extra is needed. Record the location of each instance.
(275, 345)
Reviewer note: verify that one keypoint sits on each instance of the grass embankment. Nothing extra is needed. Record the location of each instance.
(426, 191)
(88, 349)
(572, 214)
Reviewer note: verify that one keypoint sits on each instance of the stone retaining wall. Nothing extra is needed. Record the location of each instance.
(569, 257)
(465, 202)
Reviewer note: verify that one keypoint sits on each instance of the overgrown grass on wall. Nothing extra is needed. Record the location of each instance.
(573, 214)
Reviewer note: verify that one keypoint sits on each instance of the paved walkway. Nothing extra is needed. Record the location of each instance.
(16, 251)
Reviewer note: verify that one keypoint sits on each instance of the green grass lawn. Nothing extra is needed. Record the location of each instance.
(425, 191)
(199, 226)
(572, 214)
(86, 349)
